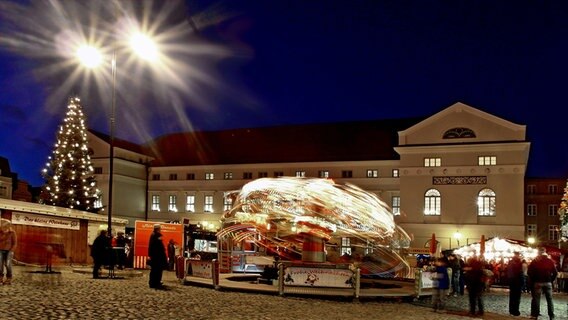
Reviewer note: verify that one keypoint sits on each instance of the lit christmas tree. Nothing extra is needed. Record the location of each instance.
(68, 175)
(563, 214)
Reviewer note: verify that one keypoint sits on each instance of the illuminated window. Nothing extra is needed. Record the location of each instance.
(172, 203)
(395, 173)
(209, 176)
(531, 230)
(432, 203)
(553, 232)
(227, 203)
(372, 173)
(190, 203)
(345, 246)
(552, 209)
(396, 205)
(98, 202)
(278, 174)
(155, 202)
(228, 175)
(323, 174)
(487, 160)
(531, 209)
(486, 203)
(208, 207)
(300, 174)
(432, 162)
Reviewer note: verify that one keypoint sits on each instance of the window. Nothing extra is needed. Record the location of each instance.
(227, 203)
(432, 162)
(432, 203)
(552, 189)
(345, 246)
(263, 174)
(531, 230)
(323, 174)
(487, 160)
(347, 174)
(486, 203)
(190, 203)
(531, 209)
(395, 173)
(98, 170)
(553, 232)
(372, 173)
(552, 209)
(155, 176)
(172, 200)
(459, 133)
(247, 175)
(278, 174)
(228, 175)
(531, 189)
(173, 176)
(155, 202)
(98, 202)
(208, 207)
(209, 176)
(190, 176)
(396, 205)
(300, 174)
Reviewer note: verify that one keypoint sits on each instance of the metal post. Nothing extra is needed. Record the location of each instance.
(357, 283)
(281, 279)
(111, 142)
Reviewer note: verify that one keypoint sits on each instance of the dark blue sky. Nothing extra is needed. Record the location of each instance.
(261, 63)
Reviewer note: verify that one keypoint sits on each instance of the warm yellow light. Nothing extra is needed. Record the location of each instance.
(531, 240)
(144, 46)
(89, 56)
(457, 235)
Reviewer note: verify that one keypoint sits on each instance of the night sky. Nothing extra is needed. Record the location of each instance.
(235, 64)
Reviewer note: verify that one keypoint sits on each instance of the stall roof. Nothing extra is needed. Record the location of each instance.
(55, 211)
(503, 247)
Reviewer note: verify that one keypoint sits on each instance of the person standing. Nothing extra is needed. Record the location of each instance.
(542, 272)
(441, 284)
(515, 279)
(99, 251)
(7, 246)
(121, 250)
(474, 280)
(171, 254)
(158, 260)
(454, 264)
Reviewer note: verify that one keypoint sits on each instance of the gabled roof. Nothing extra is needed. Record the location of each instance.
(122, 144)
(343, 141)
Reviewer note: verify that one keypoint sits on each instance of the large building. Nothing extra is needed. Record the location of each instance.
(460, 171)
(542, 201)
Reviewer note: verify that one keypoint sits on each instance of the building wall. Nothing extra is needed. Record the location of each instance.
(544, 193)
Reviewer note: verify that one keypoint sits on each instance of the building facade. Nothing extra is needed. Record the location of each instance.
(542, 201)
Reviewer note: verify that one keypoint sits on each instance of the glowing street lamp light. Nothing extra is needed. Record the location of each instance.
(457, 236)
(91, 57)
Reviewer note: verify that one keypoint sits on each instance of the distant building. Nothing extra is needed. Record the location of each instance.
(542, 200)
(6, 185)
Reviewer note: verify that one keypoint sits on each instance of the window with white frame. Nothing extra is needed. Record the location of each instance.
(173, 176)
(432, 162)
(300, 174)
(531, 209)
(553, 232)
(208, 207)
(345, 246)
(190, 203)
(190, 176)
(228, 175)
(347, 174)
(552, 189)
(432, 203)
(531, 189)
(487, 160)
(531, 230)
(227, 203)
(156, 176)
(172, 203)
(209, 176)
(155, 202)
(323, 174)
(395, 173)
(552, 210)
(263, 174)
(98, 202)
(396, 205)
(247, 175)
(372, 173)
(486, 202)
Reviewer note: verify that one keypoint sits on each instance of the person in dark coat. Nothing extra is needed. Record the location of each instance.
(99, 251)
(475, 283)
(441, 284)
(515, 278)
(542, 272)
(158, 260)
(120, 253)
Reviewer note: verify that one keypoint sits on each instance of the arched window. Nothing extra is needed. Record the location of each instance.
(459, 133)
(432, 203)
(486, 202)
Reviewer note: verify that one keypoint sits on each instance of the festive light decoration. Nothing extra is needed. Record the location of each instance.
(563, 215)
(68, 174)
(283, 210)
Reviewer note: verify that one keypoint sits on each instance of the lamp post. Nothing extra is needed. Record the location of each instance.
(91, 57)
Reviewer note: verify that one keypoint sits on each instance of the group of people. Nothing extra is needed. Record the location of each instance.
(103, 253)
(475, 275)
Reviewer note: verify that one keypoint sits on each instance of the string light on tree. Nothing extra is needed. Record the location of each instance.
(563, 214)
(69, 174)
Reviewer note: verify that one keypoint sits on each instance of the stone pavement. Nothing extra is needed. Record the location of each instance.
(74, 295)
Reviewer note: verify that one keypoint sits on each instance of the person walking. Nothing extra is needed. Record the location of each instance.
(8, 241)
(542, 272)
(158, 260)
(515, 279)
(474, 280)
(99, 251)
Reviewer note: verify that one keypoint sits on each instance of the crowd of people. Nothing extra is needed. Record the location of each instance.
(454, 276)
(111, 251)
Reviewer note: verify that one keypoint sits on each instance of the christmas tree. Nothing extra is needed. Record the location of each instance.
(563, 214)
(68, 175)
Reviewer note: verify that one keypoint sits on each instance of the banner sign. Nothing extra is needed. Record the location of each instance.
(143, 230)
(318, 277)
(45, 221)
(201, 269)
(427, 279)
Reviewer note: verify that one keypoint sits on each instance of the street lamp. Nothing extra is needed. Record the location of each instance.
(91, 57)
(457, 236)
